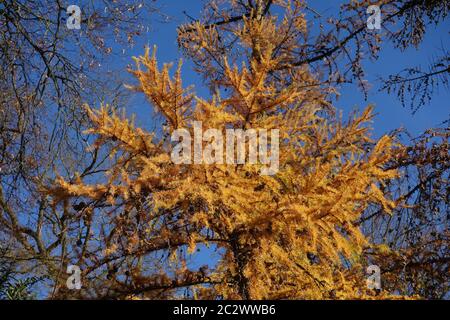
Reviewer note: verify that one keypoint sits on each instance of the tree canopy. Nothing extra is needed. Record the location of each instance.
(134, 220)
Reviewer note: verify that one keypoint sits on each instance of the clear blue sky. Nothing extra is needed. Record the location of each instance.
(391, 114)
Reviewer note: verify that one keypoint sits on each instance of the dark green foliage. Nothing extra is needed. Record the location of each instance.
(12, 286)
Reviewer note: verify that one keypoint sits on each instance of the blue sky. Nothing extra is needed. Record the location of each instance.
(390, 114)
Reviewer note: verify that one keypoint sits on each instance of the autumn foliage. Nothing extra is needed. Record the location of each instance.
(290, 235)
(137, 223)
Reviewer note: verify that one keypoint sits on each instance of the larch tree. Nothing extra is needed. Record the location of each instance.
(291, 234)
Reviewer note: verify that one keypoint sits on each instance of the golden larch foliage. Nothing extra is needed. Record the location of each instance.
(284, 236)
